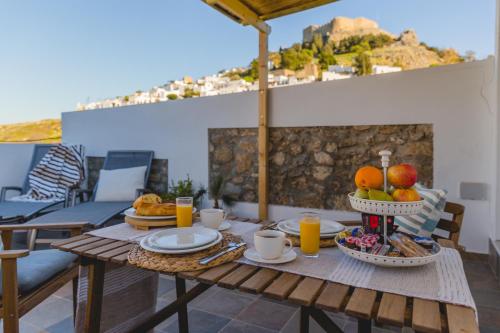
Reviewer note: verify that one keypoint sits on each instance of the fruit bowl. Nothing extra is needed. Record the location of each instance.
(386, 261)
(390, 208)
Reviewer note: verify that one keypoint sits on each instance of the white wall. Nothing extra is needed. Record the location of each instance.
(14, 163)
(452, 98)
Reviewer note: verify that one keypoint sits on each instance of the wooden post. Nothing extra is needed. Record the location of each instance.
(263, 129)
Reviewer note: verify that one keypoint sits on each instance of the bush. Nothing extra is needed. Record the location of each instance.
(172, 97)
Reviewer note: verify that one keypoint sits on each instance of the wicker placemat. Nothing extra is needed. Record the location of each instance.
(323, 242)
(170, 263)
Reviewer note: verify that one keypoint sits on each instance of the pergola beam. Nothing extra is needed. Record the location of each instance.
(236, 9)
(263, 125)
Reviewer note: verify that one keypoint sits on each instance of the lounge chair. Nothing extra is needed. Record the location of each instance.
(24, 211)
(28, 278)
(96, 214)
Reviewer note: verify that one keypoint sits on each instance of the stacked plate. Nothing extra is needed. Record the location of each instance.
(328, 228)
(181, 240)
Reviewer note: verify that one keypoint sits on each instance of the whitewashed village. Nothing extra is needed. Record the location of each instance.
(339, 49)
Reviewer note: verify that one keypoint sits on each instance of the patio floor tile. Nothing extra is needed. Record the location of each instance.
(236, 326)
(267, 314)
(49, 312)
(64, 326)
(487, 298)
(200, 322)
(224, 303)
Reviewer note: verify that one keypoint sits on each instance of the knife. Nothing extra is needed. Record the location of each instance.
(211, 258)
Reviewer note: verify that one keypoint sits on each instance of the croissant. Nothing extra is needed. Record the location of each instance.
(146, 198)
(155, 209)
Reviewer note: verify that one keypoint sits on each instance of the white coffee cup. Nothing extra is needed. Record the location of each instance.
(212, 218)
(271, 244)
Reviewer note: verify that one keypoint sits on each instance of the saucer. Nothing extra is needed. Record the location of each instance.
(253, 255)
(224, 226)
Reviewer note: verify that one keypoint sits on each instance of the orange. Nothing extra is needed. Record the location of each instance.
(369, 177)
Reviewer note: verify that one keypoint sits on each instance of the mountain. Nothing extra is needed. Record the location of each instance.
(46, 131)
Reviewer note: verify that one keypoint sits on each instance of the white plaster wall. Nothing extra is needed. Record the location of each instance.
(14, 163)
(453, 98)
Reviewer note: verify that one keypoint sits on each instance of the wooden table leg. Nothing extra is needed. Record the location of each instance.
(94, 295)
(364, 325)
(304, 319)
(182, 314)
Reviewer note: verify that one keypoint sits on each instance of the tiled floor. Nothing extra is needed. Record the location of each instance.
(220, 310)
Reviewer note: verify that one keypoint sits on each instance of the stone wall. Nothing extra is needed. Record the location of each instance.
(314, 167)
(158, 176)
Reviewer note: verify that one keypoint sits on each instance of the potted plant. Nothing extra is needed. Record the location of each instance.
(184, 188)
(217, 192)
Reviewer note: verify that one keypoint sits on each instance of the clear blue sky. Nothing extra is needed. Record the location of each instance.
(56, 53)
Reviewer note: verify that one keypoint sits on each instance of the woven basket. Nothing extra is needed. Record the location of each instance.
(171, 263)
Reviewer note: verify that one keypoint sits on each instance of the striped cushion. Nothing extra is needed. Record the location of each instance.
(424, 223)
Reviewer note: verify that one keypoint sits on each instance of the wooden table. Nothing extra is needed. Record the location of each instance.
(313, 295)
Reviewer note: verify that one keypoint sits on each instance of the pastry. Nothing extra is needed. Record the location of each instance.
(147, 198)
(156, 209)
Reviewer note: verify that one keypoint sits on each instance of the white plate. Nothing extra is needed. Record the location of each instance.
(386, 261)
(145, 245)
(283, 227)
(326, 226)
(251, 254)
(182, 238)
(131, 213)
(224, 226)
(391, 208)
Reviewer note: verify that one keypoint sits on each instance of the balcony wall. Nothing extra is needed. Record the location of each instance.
(455, 99)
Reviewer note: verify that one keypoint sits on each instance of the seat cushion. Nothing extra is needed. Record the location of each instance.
(39, 267)
(94, 213)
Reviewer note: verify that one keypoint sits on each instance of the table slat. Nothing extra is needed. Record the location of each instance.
(392, 309)
(461, 319)
(120, 259)
(83, 249)
(190, 275)
(426, 316)
(307, 291)
(332, 297)
(105, 248)
(282, 286)
(361, 303)
(212, 275)
(106, 256)
(236, 277)
(70, 246)
(259, 281)
(68, 240)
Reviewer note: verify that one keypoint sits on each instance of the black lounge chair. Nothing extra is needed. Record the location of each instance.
(19, 211)
(96, 214)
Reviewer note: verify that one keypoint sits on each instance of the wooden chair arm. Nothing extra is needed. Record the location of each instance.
(447, 243)
(13, 254)
(7, 230)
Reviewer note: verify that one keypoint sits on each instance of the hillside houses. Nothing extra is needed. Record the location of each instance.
(228, 82)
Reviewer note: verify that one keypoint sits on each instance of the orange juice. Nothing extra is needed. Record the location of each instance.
(309, 235)
(184, 215)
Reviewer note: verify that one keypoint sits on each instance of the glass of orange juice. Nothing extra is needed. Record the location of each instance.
(184, 208)
(309, 225)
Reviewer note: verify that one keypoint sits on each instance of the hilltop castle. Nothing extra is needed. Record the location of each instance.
(343, 27)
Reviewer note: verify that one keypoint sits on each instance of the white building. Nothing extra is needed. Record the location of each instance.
(378, 69)
(330, 76)
(340, 69)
